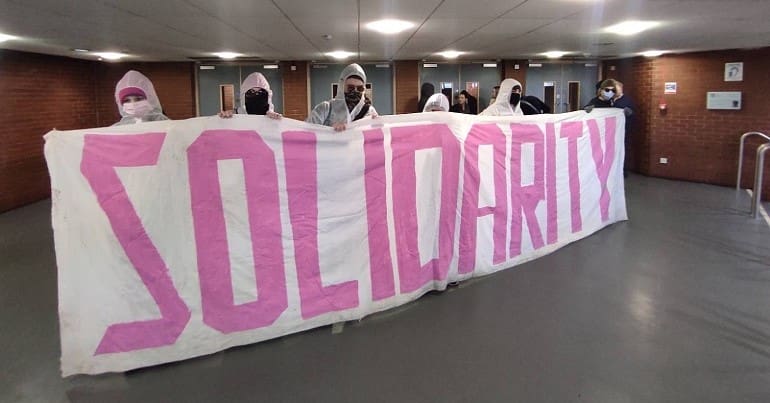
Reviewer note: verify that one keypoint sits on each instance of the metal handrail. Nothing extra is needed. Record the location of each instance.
(740, 154)
(758, 170)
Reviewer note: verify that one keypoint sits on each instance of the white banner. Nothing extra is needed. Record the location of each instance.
(178, 239)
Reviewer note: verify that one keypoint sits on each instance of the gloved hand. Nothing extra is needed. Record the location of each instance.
(627, 111)
(589, 108)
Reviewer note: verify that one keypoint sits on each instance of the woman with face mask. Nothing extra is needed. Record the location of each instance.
(610, 95)
(256, 98)
(136, 100)
(507, 100)
(349, 105)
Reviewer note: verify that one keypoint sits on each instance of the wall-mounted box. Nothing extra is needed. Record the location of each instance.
(730, 100)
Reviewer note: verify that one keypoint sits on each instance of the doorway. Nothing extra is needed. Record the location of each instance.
(564, 87)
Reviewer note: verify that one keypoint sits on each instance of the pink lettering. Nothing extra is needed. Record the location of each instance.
(482, 134)
(299, 149)
(603, 159)
(261, 180)
(572, 131)
(101, 154)
(526, 198)
(376, 213)
(405, 142)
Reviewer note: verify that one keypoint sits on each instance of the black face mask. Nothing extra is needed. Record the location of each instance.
(515, 98)
(256, 102)
(352, 98)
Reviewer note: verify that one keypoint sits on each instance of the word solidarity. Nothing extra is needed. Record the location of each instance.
(182, 238)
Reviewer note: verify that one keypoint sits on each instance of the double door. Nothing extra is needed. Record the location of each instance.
(565, 87)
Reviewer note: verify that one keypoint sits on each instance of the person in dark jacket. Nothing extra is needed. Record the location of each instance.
(462, 105)
(532, 105)
(426, 92)
(610, 95)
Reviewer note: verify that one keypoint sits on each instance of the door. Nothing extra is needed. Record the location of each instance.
(565, 87)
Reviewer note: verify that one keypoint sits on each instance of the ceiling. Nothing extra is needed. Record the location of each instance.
(169, 30)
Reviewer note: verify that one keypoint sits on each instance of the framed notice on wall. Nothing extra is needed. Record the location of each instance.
(734, 71)
(730, 100)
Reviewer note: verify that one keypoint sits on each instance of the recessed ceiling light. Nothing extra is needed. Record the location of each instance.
(111, 55)
(79, 50)
(389, 26)
(554, 54)
(450, 54)
(652, 53)
(227, 55)
(4, 37)
(631, 27)
(340, 54)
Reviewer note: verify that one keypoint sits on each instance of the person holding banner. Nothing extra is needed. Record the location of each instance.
(256, 98)
(610, 95)
(137, 100)
(436, 103)
(507, 100)
(349, 105)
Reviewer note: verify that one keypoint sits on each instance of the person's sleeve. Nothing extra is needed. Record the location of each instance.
(372, 112)
(319, 113)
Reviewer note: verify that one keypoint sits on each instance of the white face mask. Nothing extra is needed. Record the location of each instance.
(137, 109)
(608, 94)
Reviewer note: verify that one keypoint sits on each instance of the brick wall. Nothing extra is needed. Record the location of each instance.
(295, 90)
(701, 145)
(407, 85)
(43, 92)
(39, 93)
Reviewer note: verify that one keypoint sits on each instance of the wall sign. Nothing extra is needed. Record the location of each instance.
(734, 71)
(669, 88)
(723, 100)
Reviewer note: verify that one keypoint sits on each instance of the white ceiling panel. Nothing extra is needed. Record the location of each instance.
(295, 29)
(476, 9)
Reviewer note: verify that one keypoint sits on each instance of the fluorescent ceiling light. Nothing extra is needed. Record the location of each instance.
(631, 27)
(554, 54)
(4, 37)
(111, 55)
(79, 50)
(270, 66)
(450, 54)
(227, 55)
(490, 64)
(430, 65)
(207, 67)
(652, 53)
(340, 54)
(389, 26)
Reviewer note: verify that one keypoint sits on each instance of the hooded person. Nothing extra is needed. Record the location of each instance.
(349, 105)
(507, 100)
(436, 103)
(256, 98)
(136, 99)
(426, 91)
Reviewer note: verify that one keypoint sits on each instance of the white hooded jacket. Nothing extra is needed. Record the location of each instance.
(436, 101)
(130, 82)
(335, 110)
(255, 80)
(502, 105)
